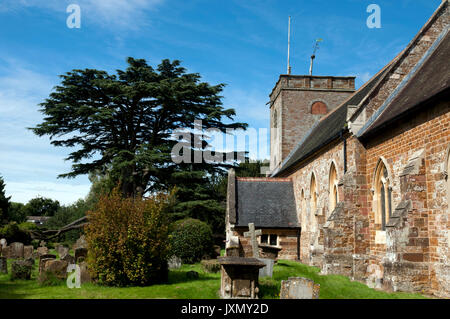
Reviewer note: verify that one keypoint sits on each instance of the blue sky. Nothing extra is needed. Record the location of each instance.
(242, 43)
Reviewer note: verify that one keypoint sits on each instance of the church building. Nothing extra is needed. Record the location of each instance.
(359, 183)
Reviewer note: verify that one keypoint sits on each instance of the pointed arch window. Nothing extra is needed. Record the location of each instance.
(383, 196)
(333, 188)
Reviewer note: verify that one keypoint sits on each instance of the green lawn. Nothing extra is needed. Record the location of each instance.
(205, 287)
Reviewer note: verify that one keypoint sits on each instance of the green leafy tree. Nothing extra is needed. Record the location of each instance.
(123, 124)
(4, 202)
(17, 213)
(41, 206)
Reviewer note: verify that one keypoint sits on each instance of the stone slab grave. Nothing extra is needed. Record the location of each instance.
(3, 265)
(267, 270)
(270, 252)
(239, 277)
(299, 288)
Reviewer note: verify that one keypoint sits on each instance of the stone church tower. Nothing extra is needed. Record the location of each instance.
(297, 102)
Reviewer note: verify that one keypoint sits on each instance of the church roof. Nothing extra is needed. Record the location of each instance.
(428, 81)
(268, 203)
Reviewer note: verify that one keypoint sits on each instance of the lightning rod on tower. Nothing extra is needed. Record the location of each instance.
(289, 47)
(313, 56)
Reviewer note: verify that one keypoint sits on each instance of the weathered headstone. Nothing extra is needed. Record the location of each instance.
(267, 270)
(80, 243)
(232, 247)
(85, 276)
(57, 268)
(3, 265)
(28, 252)
(174, 262)
(3, 242)
(299, 288)
(80, 253)
(62, 251)
(42, 251)
(253, 235)
(69, 258)
(43, 259)
(20, 269)
(6, 252)
(16, 250)
(30, 261)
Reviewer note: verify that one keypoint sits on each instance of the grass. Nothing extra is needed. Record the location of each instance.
(205, 287)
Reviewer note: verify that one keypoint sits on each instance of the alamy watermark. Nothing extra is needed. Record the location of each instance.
(74, 277)
(74, 19)
(190, 149)
(374, 20)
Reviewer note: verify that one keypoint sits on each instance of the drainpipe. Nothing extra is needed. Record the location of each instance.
(298, 243)
(345, 151)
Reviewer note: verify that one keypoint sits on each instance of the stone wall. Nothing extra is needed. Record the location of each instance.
(415, 153)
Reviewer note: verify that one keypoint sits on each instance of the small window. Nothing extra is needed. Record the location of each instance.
(273, 240)
(269, 239)
(265, 239)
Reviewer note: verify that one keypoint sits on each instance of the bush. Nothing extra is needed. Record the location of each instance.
(191, 240)
(128, 240)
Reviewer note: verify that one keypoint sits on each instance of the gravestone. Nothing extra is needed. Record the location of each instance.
(85, 276)
(253, 235)
(57, 268)
(3, 265)
(267, 270)
(80, 253)
(20, 269)
(174, 262)
(6, 252)
(239, 277)
(80, 243)
(16, 250)
(42, 251)
(43, 259)
(299, 288)
(62, 251)
(30, 261)
(270, 252)
(232, 248)
(69, 258)
(28, 252)
(3, 243)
